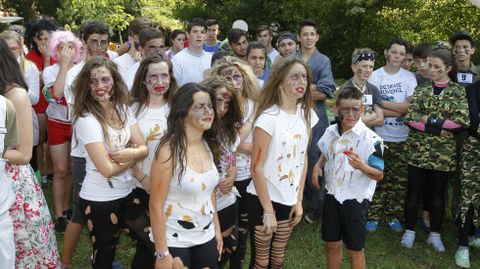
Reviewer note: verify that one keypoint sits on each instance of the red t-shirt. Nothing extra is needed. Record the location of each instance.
(37, 58)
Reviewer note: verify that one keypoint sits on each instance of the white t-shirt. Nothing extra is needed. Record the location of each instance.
(32, 78)
(243, 160)
(341, 179)
(224, 200)
(286, 153)
(152, 123)
(394, 88)
(56, 110)
(189, 67)
(77, 149)
(129, 76)
(272, 55)
(124, 62)
(112, 54)
(188, 208)
(95, 187)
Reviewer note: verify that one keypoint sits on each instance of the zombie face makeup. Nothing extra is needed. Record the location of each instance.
(395, 55)
(153, 46)
(201, 114)
(438, 70)
(295, 83)
(101, 84)
(97, 45)
(349, 112)
(41, 38)
(233, 74)
(222, 100)
(363, 69)
(157, 79)
(15, 48)
(287, 47)
(178, 42)
(463, 50)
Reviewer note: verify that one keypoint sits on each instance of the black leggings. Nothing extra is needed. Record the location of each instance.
(238, 256)
(105, 220)
(201, 256)
(229, 228)
(419, 181)
(464, 229)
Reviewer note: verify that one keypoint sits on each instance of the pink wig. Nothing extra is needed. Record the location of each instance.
(59, 37)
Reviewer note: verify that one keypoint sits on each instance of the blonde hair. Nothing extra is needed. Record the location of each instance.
(250, 84)
(14, 36)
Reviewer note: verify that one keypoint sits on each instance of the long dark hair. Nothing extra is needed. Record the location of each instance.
(231, 123)
(10, 72)
(139, 93)
(86, 103)
(175, 137)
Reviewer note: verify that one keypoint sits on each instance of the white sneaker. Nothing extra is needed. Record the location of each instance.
(462, 258)
(408, 238)
(435, 240)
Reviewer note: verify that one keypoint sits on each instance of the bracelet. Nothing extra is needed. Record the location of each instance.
(144, 176)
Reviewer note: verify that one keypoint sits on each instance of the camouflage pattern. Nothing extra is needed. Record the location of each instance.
(470, 179)
(430, 151)
(389, 198)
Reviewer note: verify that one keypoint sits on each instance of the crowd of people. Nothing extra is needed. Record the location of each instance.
(194, 150)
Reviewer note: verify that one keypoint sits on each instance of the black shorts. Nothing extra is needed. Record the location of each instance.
(196, 257)
(345, 222)
(255, 211)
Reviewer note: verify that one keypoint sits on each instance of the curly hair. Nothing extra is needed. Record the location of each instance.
(59, 37)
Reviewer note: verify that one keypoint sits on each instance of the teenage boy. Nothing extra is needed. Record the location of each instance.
(363, 61)
(287, 44)
(322, 88)
(420, 54)
(463, 49)
(265, 37)
(190, 63)
(353, 163)
(212, 43)
(238, 42)
(132, 55)
(408, 59)
(151, 41)
(396, 86)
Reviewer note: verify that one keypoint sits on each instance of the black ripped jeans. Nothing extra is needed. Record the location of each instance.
(105, 220)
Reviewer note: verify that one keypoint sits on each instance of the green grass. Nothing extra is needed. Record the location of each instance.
(307, 250)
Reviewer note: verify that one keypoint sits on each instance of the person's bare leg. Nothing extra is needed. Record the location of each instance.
(334, 255)
(357, 259)
(42, 138)
(70, 240)
(61, 175)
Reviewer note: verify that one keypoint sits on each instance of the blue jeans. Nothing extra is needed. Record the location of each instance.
(314, 196)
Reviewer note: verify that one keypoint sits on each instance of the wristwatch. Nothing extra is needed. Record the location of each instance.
(161, 254)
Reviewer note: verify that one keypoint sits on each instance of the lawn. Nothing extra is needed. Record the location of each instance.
(307, 250)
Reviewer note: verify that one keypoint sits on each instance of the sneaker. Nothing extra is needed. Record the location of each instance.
(435, 241)
(462, 258)
(311, 217)
(44, 182)
(475, 243)
(115, 265)
(68, 214)
(371, 225)
(61, 224)
(408, 238)
(395, 226)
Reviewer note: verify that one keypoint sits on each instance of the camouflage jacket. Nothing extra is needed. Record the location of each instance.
(427, 150)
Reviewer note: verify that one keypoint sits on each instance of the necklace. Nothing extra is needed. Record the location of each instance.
(358, 86)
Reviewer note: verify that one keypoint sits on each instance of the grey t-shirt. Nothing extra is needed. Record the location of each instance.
(369, 90)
